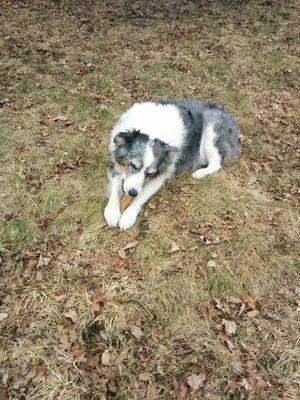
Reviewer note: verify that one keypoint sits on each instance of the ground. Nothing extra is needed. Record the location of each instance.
(199, 300)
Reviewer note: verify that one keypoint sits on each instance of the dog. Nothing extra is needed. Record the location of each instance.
(153, 141)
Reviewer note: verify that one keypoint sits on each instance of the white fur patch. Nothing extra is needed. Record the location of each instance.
(209, 154)
(156, 120)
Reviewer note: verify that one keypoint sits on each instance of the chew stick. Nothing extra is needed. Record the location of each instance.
(125, 202)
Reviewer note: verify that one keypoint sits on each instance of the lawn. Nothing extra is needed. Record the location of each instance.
(200, 300)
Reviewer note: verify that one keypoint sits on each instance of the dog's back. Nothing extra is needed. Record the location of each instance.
(197, 116)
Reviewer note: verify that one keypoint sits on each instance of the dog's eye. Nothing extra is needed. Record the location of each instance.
(133, 166)
(151, 174)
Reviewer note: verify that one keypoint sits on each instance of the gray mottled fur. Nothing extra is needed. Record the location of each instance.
(196, 114)
(131, 146)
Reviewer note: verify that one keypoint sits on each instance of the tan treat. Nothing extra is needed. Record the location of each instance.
(125, 202)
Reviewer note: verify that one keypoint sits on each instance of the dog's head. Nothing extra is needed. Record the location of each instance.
(141, 159)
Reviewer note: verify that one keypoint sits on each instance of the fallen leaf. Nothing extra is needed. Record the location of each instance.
(222, 336)
(252, 314)
(31, 374)
(230, 327)
(211, 263)
(180, 389)
(72, 315)
(151, 392)
(196, 381)
(60, 118)
(174, 247)
(65, 343)
(136, 331)
(43, 261)
(112, 387)
(122, 254)
(130, 245)
(106, 358)
(3, 316)
(232, 385)
(19, 382)
(98, 296)
(40, 261)
(31, 264)
(234, 300)
(39, 276)
(242, 309)
(250, 302)
(229, 344)
(217, 304)
(144, 376)
(3, 393)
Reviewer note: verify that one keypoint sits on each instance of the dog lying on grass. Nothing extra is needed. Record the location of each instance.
(153, 141)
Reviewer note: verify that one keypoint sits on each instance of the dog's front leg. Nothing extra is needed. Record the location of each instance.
(112, 212)
(129, 216)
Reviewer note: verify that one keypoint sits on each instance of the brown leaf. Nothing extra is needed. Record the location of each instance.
(250, 302)
(3, 393)
(234, 300)
(39, 276)
(98, 296)
(72, 315)
(32, 263)
(230, 327)
(174, 247)
(136, 331)
(181, 389)
(151, 392)
(106, 358)
(252, 314)
(130, 245)
(144, 376)
(122, 254)
(196, 381)
(232, 385)
(65, 343)
(222, 336)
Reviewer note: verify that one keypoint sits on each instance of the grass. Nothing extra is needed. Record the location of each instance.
(67, 292)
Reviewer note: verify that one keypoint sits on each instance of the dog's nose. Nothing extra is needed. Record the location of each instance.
(133, 192)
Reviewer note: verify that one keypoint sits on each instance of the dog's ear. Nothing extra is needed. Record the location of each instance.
(125, 138)
(121, 138)
(165, 153)
(123, 141)
(164, 150)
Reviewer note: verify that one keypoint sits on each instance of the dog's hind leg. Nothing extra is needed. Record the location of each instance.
(211, 154)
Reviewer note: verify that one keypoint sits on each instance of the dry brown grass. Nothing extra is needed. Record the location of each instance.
(68, 294)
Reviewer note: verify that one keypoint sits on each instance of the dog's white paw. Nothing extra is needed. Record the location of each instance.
(112, 215)
(200, 173)
(128, 218)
